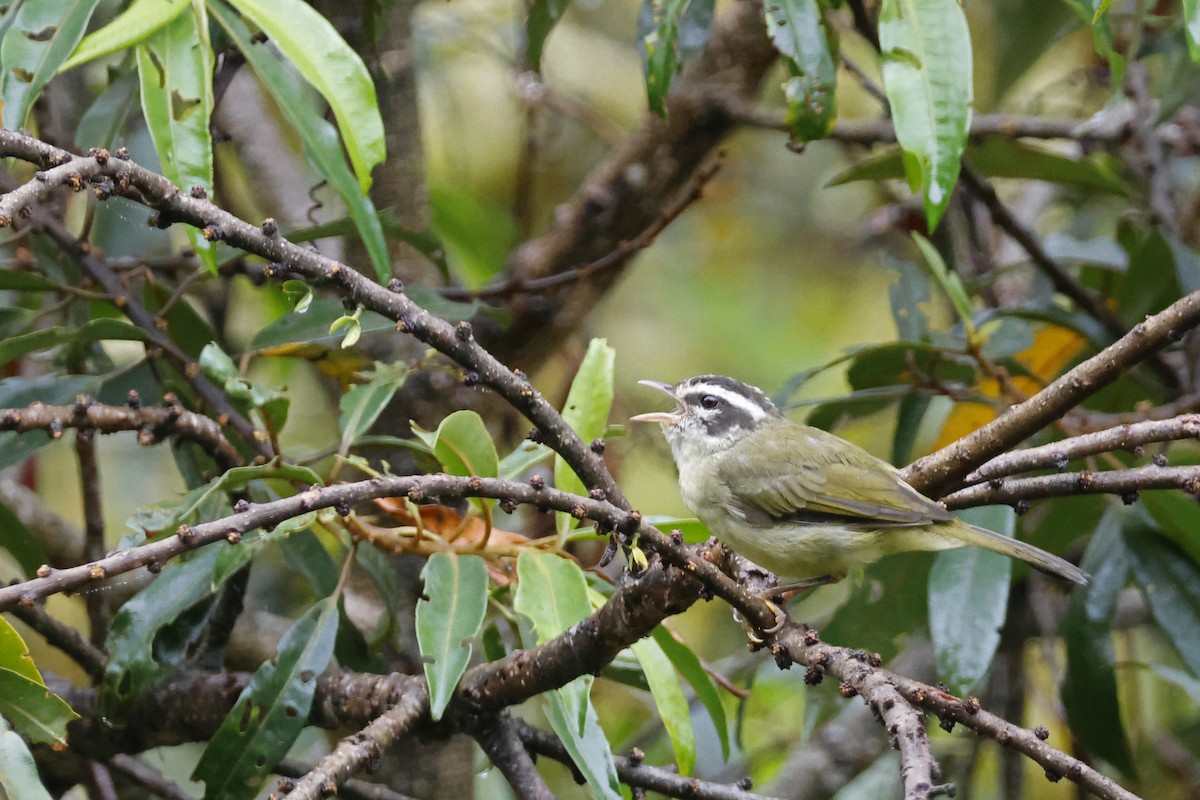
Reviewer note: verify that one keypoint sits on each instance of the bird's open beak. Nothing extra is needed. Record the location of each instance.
(662, 417)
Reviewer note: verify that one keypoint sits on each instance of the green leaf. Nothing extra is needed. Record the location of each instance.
(478, 233)
(312, 327)
(694, 531)
(20, 543)
(449, 615)
(12, 280)
(106, 117)
(175, 67)
(363, 404)
(1004, 158)
(693, 671)
(48, 389)
(950, 282)
(927, 77)
(890, 601)
(1089, 687)
(668, 697)
(18, 773)
(271, 711)
(544, 15)
(137, 22)
(1191, 27)
(320, 138)
(40, 37)
(586, 411)
(33, 711)
(809, 47)
(92, 331)
(312, 44)
(1171, 582)
(133, 665)
(551, 597)
(523, 457)
(1178, 518)
(667, 30)
(462, 445)
(1091, 14)
(968, 599)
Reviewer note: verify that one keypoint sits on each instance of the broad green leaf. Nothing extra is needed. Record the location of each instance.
(449, 615)
(40, 37)
(809, 47)
(1089, 688)
(271, 711)
(312, 44)
(586, 411)
(48, 389)
(950, 282)
(927, 76)
(363, 404)
(544, 15)
(689, 666)
(105, 119)
(138, 21)
(694, 531)
(1004, 158)
(551, 597)
(175, 68)
(320, 138)
(909, 296)
(312, 327)
(890, 601)
(968, 599)
(20, 543)
(524, 456)
(92, 331)
(1191, 27)
(462, 444)
(271, 403)
(668, 30)
(19, 776)
(1171, 582)
(25, 702)
(132, 665)
(668, 697)
(478, 233)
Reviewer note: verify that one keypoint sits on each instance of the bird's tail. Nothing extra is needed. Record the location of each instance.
(1015, 548)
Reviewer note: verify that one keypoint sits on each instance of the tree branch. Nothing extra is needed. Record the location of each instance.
(1124, 482)
(934, 473)
(500, 738)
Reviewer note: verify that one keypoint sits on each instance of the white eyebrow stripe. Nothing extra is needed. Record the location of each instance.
(735, 399)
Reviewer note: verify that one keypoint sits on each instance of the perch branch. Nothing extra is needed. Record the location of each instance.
(1124, 482)
(500, 740)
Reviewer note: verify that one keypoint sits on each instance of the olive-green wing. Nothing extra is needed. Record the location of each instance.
(808, 473)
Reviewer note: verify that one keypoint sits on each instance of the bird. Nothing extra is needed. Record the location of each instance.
(799, 501)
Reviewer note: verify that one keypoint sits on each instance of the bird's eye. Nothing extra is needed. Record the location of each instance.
(710, 401)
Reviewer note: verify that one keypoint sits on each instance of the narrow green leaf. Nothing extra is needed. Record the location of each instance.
(809, 47)
(586, 411)
(33, 711)
(544, 15)
(551, 597)
(449, 615)
(92, 331)
(312, 44)
(271, 711)
(1089, 688)
(320, 138)
(106, 117)
(668, 697)
(25, 282)
(40, 37)
(138, 21)
(927, 77)
(1179, 678)
(968, 599)
(1004, 158)
(950, 282)
(175, 68)
(689, 666)
(1171, 582)
(18, 773)
(1091, 14)
(1178, 518)
(1191, 27)
(363, 404)
(668, 30)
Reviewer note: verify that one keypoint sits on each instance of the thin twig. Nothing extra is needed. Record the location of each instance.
(1058, 454)
(1124, 482)
(148, 777)
(93, 526)
(351, 789)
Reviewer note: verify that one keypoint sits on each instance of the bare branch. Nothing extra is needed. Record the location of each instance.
(500, 739)
(1058, 454)
(1124, 482)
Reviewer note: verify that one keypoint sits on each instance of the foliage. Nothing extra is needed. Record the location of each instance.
(325, 386)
